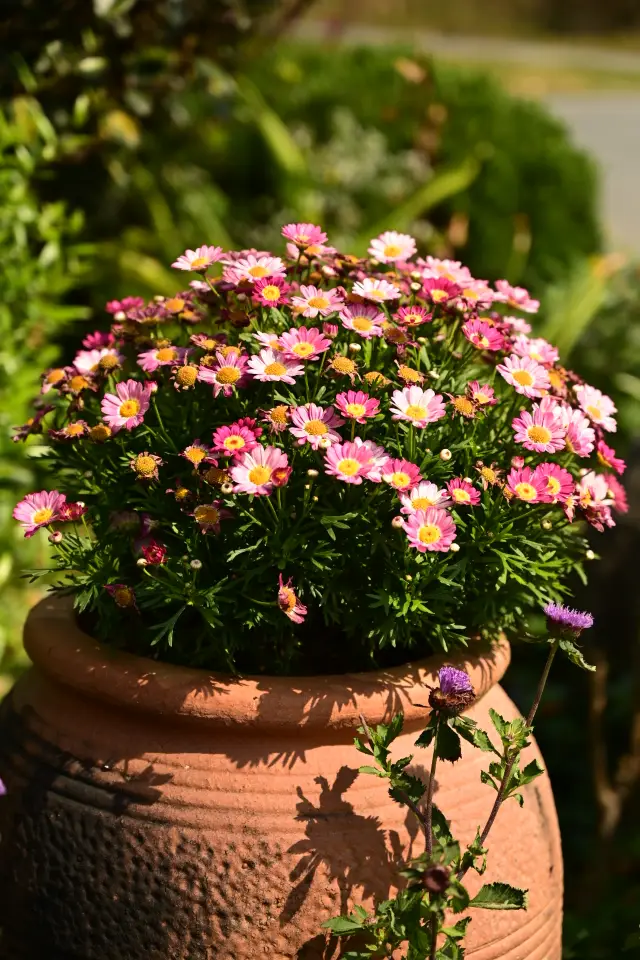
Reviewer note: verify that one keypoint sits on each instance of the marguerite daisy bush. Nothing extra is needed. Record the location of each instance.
(310, 462)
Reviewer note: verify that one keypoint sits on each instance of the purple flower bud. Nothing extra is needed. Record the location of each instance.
(454, 694)
(563, 620)
(436, 878)
(3, 789)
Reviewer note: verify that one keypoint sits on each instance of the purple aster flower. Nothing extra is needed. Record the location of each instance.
(3, 789)
(454, 681)
(563, 620)
(454, 694)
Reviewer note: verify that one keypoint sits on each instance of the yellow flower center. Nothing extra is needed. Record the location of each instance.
(408, 374)
(348, 466)
(363, 324)
(374, 376)
(108, 362)
(461, 496)
(463, 405)
(259, 475)
(228, 375)
(198, 263)
(303, 349)
(523, 377)
(344, 365)
(258, 271)
(279, 415)
(78, 383)
(206, 513)
(392, 250)
(481, 397)
(526, 491)
(195, 454)
(55, 376)
(42, 516)
(287, 599)
(100, 432)
(469, 294)
(124, 597)
(315, 428)
(410, 318)
(209, 344)
(75, 430)
(539, 434)
(175, 304)
(129, 408)
(438, 295)
(375, 294)
(230, 351)
(356, 409)
(422, 503)
(234, 442)
(555, 380)
(215, 475)
(429, 533)
(166, 354)
(535, 356)
(415, 413)
(553, 485)
(594, 412)
(181, 493)
(488, 474)
(275, 369)
(271, 292)
(187, 375)
(319, 302)
(400, 479)
(144, 465)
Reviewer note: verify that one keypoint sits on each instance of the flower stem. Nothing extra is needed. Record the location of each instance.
(430, 789)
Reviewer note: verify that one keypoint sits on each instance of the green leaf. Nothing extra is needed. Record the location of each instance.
(458, 931)
(472, 733)
(575, 655)
(500, 896)
(343, 925)
(531, 772)
(448, 743)
(426, 737)
(374, 771)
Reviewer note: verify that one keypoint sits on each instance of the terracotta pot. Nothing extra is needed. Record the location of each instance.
(161, 813)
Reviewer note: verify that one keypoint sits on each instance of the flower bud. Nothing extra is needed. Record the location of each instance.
(312, 473)
(355, 347)
(324, 443)
(455, 547)
(196, 564)
(397, 523)
(436, 878)
(416, 274)
(55, 536)
(454, 694)
(141, 562)
(590, 555)
(546, 525)
(120, 316)
(226, 488)
(445, 455)
(416, 286)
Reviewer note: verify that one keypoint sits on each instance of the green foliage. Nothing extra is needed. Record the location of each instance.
(500, 896)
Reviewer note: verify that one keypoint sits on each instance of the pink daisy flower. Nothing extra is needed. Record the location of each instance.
(477, 293)
(304, 234)
(269, 366)
(463, 493)
(580, 437)
(330, 330)
(98, 339)
(304, 343)
(607, 457)
(482, 335)
(390, 247)
(449, 269)
(253, 268)
(517, 325)
(618, 493)
(89, 362)
(417, 406)
(127, 407)
(357, 405)
(227, 373)
(541, 431)
(439, 290)
(516, 297)
(528, 377)
(271, 291)
(234, 440)
(348, 462)
(150, 360)
(364, 320)
(597, 406)
(377, 290)
(538, 349)
(254, 471)
(558, 484)
(525, 484)
(122, 306)
(430, 529)
(289, 603)
(199, 259)
(483, 395)
(72, 431)
(412, 316)
(39, 510)
(423, 496)
(269, 340)
(54, 377)
(313, 301)
(209, 515)
(208, 341)
(376, 458)
(313, 424)
(402, 475)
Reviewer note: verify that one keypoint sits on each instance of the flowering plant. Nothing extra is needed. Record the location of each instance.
(316, 462)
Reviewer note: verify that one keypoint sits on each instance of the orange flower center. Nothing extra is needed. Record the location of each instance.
(392, 250)
(422, 503)
(75, 430)
(198, 263)
(481, 397)
(100, 432)
(363, 324)
(228, 375)
(315, 428)
(461, 496)
(429, 533)
(526, 491)
(195, 454)
(124, 597)
(374, 376)
(206, 513)
(523, 377)
(319, 302)
(463, 406)
(344, 365)
(258, 271)
(488, 474)
(271, 292)
(78, 383)
(129, 408)
(187, 375)
(594, 412)
(409, 374)
(259, 475)
(144, 465)
(275, 369)
(230, 351)
(553, 485)
(209, 344)
(278, 415)
(55, 376)
(108, 362)
(166, 353)
(234, 442)
(400, 480)
(438, 295)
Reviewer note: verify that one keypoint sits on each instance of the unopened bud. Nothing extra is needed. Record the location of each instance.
(416, 286)
(546, 525)
(436, 878)
(408, 577)
(196, 564)
(416, 274)
(374, 262)
(324, 443)
(468, 480)
(120, 316)
(141, 562)
(355, 347)
(590, 555)
(55, 536)
(226, 488)
(455, 548)
(312, 473)
(445, 455)
(397, 522)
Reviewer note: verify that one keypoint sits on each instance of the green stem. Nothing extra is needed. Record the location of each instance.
(430, 788)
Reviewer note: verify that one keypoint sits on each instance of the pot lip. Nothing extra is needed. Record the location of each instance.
(67, 655)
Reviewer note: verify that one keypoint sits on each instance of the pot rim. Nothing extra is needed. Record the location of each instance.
(66, 654)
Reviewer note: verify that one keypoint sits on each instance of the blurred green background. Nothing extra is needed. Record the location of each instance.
(132, 129)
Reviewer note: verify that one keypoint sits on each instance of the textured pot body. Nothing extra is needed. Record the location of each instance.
(160, 813)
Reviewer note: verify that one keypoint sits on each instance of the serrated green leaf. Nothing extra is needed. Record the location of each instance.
(472, 733)
(343, 925)
(374, 771)
(500, 896)
(448, 743)
(574, 654)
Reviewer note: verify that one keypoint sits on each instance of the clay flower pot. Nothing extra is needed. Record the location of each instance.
(162, 813)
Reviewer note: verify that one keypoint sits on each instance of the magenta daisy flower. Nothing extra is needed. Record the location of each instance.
(525, 484)
(463, 493)
(271, 291)
(270, 366)
(528, 377)
(597, 406)
(89, 362)
(516, 297)
(482, 335)
(127, 407)
(439, 290)
(357, 405)
(289, 603)
(376, 458)
(348, 462)
(412, 316)
(304, 234)
(253, 473)
(98, 339)
(315, 425)
(417, 406)
(390, 247)
(580, 437)
(402, 475)
(234, 439)
(423, 496)
(376, 290)
(304, 343)
(364, 320)
(483, 395)
(198, 260)
(39, 510)
(226, 373)
(431, 530)
(617, 493)
(607, 457)
(198, 453)
(561, 620)
(538, 349)
(252, 268)
(165, 356)
(558, 483)
(269, 340)
(122, 306)
(209, 515)
(541, 431)
(477, 293)
(313, 301)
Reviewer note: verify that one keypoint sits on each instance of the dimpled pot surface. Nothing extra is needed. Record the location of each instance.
(161, 813)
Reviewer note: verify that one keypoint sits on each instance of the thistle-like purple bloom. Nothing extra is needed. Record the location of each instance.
(565, 620)
(455, 692)
(454, 681)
